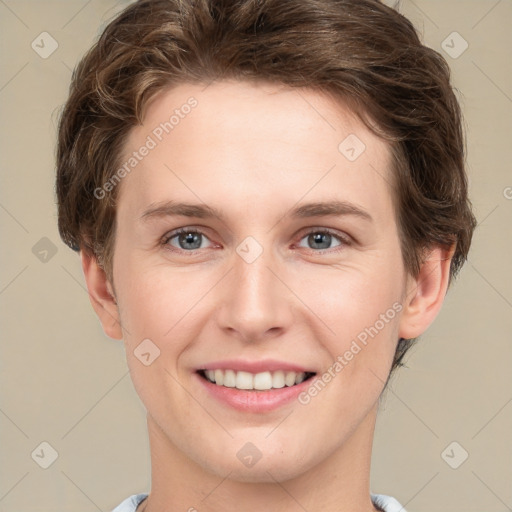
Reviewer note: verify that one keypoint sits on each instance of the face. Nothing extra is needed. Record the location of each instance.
(253, 236)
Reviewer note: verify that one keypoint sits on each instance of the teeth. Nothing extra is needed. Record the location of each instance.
(219, 377)
(289, 378)
(244, 380)
(263, 381)
(229, 379)
(299, 377)
(278, 379)
(259, 381)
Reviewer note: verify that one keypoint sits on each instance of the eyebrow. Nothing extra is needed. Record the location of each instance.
(203, 211)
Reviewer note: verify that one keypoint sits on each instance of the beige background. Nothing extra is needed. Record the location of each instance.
(64, 382)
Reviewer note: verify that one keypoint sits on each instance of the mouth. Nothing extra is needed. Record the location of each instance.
(247, 381)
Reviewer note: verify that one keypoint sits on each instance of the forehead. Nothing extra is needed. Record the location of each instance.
(231, 143)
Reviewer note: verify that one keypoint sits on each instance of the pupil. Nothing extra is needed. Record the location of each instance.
(317, 238)
(190, 238)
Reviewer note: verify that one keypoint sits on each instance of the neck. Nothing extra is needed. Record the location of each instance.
(337, 483)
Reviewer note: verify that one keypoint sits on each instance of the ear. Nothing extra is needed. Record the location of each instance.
(101, 295)
(425, 293)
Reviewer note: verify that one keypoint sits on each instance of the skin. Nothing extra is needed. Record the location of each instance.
(255, 151)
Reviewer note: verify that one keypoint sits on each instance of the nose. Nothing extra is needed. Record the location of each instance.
(255, 302)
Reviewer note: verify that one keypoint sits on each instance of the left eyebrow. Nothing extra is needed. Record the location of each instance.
(335, 208)
(203, 211)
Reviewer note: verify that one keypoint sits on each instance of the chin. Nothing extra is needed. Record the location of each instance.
(263, 473)
(268, 469)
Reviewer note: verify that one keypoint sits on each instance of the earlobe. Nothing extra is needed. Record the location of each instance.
(425, 294)
(101, 295)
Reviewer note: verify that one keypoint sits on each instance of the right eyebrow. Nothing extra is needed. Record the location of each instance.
(172, 208)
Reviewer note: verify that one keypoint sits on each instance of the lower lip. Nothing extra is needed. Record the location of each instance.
(254, 401)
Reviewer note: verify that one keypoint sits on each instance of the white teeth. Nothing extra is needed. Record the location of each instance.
(244, 380)
(278, 379)
(261, 381)
(289, 380)
(219, 377)
(229, 379)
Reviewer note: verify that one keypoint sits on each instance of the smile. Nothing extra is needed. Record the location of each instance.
(262, 381)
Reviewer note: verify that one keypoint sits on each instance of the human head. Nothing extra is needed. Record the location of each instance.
(362, 53)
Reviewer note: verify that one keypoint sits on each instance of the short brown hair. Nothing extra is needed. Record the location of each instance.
(361, 52)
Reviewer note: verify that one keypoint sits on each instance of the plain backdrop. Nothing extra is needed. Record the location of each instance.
(63, 382)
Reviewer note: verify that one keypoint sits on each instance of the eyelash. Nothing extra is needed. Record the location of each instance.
(345, 240)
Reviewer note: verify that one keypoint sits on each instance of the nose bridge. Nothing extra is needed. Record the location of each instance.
(256, 301)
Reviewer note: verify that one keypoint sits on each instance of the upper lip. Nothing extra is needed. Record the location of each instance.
(262, 365)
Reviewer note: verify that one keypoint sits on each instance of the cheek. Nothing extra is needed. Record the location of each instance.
(348, 299)
(156, 298)
(357, 312)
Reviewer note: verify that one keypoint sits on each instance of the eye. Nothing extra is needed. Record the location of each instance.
(321, 239)
(185, 239)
